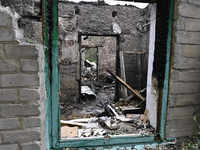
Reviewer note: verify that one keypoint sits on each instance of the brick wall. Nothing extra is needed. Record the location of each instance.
(22, 89)
(107, 56)
(184, 90)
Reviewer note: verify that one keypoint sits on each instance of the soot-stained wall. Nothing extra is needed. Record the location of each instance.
(95, 18)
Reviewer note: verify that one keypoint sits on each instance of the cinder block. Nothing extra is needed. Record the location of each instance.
(29, 65)
(184, 100)
(191, 50)
(21, 51)
(194, 2)
(188, 37)
(192, 24)
(9, 123)
(21, 136)
(9, 35)
(187, 63)
(9, 147)
(184, 88)
(29, 94)
(19, 80)
(188, 10)
(180, 23)
(187, 100)
(31, 146)
(7, 20)
(31, 122)
(8, 95)
(14, 110)
(189, 76)
(175, 75)
(8, 66)
(180, 133)
(180, 112)
(178, 124)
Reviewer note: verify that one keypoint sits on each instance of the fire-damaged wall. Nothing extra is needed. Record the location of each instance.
(97, 18)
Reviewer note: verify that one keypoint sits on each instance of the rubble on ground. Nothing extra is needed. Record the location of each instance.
(98, 116)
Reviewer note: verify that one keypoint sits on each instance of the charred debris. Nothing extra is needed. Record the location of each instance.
(103, 117)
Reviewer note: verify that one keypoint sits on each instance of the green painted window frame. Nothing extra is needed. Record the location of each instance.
(52, 98)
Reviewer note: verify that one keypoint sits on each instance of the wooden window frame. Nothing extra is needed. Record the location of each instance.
(53, 87)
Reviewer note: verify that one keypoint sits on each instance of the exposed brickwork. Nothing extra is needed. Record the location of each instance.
(184, 87)
(22, 91)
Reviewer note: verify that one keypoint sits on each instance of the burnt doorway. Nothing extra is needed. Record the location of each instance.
(97, 55)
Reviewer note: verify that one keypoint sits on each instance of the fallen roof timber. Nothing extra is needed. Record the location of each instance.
(127, 86)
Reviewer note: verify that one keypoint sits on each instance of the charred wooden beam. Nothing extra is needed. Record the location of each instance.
(126, 110)
(107, 109)
(127, 86)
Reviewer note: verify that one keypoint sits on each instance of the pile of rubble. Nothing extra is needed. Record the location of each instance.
(106, 126)
(127, 116)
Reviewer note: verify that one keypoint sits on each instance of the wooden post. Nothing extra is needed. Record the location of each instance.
(123, 74)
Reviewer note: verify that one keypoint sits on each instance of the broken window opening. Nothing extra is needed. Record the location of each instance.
(71, 69)
(98, 113)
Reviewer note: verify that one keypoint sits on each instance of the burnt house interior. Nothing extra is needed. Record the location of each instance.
(103, 65)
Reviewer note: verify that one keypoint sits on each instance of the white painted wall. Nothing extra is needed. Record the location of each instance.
(152, 93)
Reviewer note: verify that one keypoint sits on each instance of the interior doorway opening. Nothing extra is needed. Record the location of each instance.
(97, 55)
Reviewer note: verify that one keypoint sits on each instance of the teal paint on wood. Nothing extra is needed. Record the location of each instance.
(98, 142)
(55, 78)
(47, 81)
(53, 116)
(166, 81)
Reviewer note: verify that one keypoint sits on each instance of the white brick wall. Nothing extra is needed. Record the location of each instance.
(22, 99)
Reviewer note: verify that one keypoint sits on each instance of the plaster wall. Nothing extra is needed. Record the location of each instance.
(152, 91)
